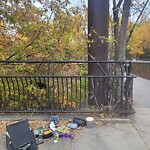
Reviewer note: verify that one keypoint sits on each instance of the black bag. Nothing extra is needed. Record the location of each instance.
(79, 121)
(19, 136)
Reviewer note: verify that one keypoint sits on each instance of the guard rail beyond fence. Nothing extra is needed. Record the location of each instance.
(65, 86)
(141, 69)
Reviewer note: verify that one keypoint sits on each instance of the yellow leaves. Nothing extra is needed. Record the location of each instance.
(101, 115)
(25, 39)
(1, 23)
(66, 103)
(140, 39)
(21, 37)
(1, 46)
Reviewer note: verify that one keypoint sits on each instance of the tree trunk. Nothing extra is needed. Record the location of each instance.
(116, 24)
(120, 48)
(120, 51)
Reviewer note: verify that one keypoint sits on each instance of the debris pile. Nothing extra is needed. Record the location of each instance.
(52, 130)
(56, 130)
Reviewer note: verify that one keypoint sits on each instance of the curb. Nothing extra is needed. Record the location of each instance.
(16, 117)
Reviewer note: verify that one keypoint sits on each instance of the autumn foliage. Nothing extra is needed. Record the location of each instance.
(140, 40)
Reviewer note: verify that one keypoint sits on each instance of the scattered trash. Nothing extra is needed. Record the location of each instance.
(56, 137)
(89, 122)
(101, 115)
(79, 121)
(72, 125)
(63, 129)
(20, 136)
(38, 131)
(47, 133)
(56, 129)
(54, 119)
(52, 126)
(67, 135)
(39, 139)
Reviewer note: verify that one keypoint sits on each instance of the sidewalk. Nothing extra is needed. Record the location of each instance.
(141, 91)
(129, 135)
(132, 133)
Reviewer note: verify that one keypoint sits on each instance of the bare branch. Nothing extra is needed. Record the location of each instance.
(32, 41)
(119, 3)
(11, 56)
(29, 55)
(25, 46)
(137, 21)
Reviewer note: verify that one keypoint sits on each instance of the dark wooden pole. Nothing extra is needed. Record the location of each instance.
(98, 26)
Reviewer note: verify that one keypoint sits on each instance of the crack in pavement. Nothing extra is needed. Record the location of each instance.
(138, 131)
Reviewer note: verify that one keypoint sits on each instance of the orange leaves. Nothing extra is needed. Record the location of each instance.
(140, 39)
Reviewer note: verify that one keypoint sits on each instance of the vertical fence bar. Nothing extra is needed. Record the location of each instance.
(99, 85)
(48, 82)
(76, 92)
(41, 96)
(112, 89)
(80, 92)
(126, 94)
(53, 92)
(94, 93)
(121, 97)
(18, 91)
(62, 81)
(67, 91)
(13, 86)
(58, 90)
(85, 93)
(108, 89)
(71, 92)
(37, 93)
(53, 87)
(4, 93)
(22, 91)
(9, 93)
(27, 86)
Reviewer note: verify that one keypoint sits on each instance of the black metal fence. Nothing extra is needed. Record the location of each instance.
(63, 86)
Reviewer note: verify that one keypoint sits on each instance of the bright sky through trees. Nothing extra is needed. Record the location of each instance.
(77, 2)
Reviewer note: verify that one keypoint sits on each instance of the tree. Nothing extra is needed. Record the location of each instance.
(122, 10)
(140, 40)
(120, 33)
(49, 30)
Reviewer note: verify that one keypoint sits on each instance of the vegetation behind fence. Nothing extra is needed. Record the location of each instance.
(59, 86)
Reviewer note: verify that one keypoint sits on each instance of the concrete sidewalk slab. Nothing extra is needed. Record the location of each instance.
(141, 91)
(103, 137)
(112, 137)
(108, 137)
(141, 122)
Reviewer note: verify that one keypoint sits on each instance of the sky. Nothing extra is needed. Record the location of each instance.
(74, 3)
(77, 2)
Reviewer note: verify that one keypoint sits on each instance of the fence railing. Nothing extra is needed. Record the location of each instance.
(141, 69)
(63, 86)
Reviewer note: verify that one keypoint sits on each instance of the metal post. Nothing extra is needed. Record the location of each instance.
(98, 23)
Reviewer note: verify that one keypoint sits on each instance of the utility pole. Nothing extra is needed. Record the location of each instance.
(98, 29)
